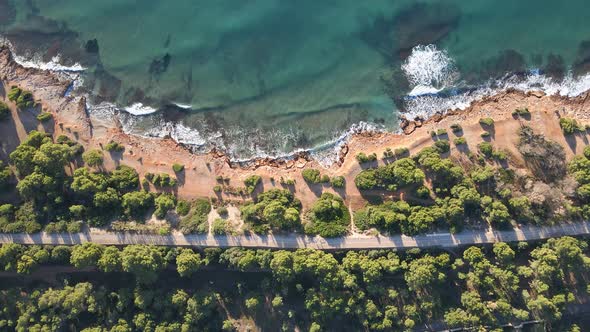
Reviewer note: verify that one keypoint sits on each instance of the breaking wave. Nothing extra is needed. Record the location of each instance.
(436, 86)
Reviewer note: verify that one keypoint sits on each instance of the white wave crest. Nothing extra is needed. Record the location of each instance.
(183, 106)
(429, 70)
(140, 109)
(53, 65)
(427, 105)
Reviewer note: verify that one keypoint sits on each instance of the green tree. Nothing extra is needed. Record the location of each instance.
(164, 202)
(142, 260)
(137, 203)
(93, 158)
(86, 254)
(110, 260)
(188, 262)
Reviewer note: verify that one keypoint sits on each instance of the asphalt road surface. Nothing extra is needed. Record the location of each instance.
(444, 240)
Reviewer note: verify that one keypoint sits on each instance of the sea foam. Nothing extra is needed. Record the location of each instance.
(432, 75)
(140, 109)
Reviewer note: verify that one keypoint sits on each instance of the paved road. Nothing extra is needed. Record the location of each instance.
(447, 240)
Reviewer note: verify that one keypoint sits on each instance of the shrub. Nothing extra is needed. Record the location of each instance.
(164, 203)
(402, 152)
(217, 189)
(388, 154)
(196, 220)
(113, 146)
(363, 158)
(441, 132)
(220, 226)
(311, 175)
(287, 182)
(222, 210)
(521, 112)
(93, 158)
(442, 146)
(500, 155)
(4, 111)
(183, 208)
(252, 182)
(177, 168)
(338, 182)
(486, 122)
(14, 93)
(569, 126)
(328, 217)
(401, 173)
(137, 203)
(162, 180)
(486, 149)
(485, 134)
(44, 116)
(275, 209)
(456, 128)
(386, 217)
(460, 141)
(22, 98)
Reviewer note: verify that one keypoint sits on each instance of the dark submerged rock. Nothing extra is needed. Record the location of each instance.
(91, 46)
(160, 64)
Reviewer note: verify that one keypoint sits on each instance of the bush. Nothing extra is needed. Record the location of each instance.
(441, 132)
(220, 226)
(328, 217)
(569, 126)
(164, 203)
(162, 180)
(401, 152)
(177, 168)
(311, 175)
(363, 158)
(486, 149)
(4, 111)
(500, 155)
(338, 182)
(485, 134)
(388, 154)
(521, 112)
(486, 122)
(276, 209)
(44, 116)
(22, 98)
(252, 182)
(442, 146)
(183, 208)
(222, 211)
(401, 173)
(456, 128)
(93, 158)
(217, 188)
(113, 146)
(137, 204)
(460, 141)
(14, 93)
(196, 220)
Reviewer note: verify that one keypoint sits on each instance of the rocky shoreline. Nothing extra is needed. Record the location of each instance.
(157, 155)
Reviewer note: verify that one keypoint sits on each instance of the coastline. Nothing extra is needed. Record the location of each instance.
(157, 155)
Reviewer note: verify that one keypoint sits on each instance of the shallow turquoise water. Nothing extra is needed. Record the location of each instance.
(270, 76)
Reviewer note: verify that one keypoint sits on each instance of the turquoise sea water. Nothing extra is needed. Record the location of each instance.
(270, 76)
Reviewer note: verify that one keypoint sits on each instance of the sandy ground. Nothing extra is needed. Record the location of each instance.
(199, 177)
